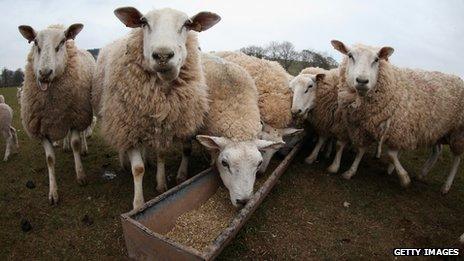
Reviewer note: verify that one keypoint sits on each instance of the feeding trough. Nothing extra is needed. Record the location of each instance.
(145, 229)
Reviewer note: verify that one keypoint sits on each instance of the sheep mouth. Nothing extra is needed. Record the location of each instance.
(163, 70)
(43, 85)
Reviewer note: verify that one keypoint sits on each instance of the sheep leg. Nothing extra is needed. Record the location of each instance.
(138, 169)
(9, 141)
(50, 157)
(328, 149)
(84, 148)
(402, 173)
(354, 166)
(160, 174)
(183, 168)
(391, 168)
(15, 139)
(436, 151)
(313, 156)
(335, 166)
(66, 140)
(452, 174)
(76, 149)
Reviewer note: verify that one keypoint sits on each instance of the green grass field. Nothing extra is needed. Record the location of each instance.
(303, 217)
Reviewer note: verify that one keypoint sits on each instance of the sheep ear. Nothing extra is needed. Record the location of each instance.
(385, 52)
(339, 46)
(202, 21)
(73, 30)
(212, 142)
(266, 144)
(320, 77)
(129, 16)
(27, 32)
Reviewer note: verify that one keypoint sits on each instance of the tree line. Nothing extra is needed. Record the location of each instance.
(9, 78)
(292, 60)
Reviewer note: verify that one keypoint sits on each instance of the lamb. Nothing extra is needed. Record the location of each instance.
(316, 99)
(393, 104)
(233, 126)
(154, 91)
(6, 129)
(55, 98)
(275, 97)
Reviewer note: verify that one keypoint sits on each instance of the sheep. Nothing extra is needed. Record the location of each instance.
(232, 127)
(154, 92)
(461, 239)
(56, 94)
(316, 99)
(7, 130)
(275, 97)
(393, 104)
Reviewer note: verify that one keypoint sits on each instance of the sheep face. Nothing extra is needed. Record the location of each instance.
(304, 94)
(237, 163)
(362, 66)
(2, 99)
(276, 135)
(49, 52)
(164, 36)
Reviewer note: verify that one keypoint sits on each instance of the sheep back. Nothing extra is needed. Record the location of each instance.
(234, 111)
(272, 82)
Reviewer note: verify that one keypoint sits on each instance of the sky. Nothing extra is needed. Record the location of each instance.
(426, 34)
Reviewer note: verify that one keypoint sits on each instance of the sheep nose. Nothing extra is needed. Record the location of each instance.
(241, 202)
(162, 55)
(362, 80)
(296, 112)
(45, 73)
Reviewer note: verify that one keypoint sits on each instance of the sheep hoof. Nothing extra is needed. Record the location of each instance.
(405, 182)
(161, 188)
(347, 175)
(181, 179)
(53, 198)
(82, 181)
(310, 160)
(445, 190)
(332, 169)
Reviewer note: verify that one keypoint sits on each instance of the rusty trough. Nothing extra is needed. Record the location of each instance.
(144, 229)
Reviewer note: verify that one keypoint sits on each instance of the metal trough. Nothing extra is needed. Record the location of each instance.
(144, 228)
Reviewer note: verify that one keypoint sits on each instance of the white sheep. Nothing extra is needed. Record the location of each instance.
(275, 98)
(6, 129)
(55, 98)
(392, 105)
(232, 127)
(154, 93)
(316, 99)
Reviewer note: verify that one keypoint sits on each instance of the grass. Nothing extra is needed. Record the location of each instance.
(302, 218)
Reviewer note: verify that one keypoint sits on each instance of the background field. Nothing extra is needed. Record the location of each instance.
(303, 216)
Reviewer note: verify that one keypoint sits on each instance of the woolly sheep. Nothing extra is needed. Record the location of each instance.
(56, 93)
(393, 104)
(6, 129)
(316, 98)
(275, 97)
(154, 92)
(233, 126)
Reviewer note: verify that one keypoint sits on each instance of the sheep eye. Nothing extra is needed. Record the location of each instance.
(376, 59)
(225, 164)
(260, 163)
(307, 89)
(144, 22)
(59, 46)
(351, 56)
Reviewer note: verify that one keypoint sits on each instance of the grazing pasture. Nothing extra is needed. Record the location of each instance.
(308, 214)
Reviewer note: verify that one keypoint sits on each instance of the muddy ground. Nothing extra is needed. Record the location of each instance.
(303, 217)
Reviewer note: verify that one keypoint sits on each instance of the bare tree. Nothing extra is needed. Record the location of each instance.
(254, 50)
(283, 52)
